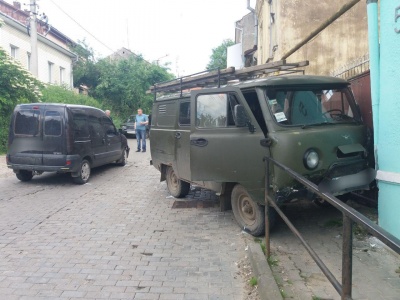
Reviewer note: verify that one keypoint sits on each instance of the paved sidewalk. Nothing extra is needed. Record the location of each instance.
(116, 237)
(376, 269)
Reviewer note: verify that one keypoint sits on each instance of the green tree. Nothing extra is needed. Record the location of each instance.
(219, 55)
(17, 86)
(85, 71)
(123, 84)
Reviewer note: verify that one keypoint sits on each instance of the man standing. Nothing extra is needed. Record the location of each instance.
(108, 114)
(140, 127)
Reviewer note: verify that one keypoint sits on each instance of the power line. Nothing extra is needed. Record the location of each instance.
(77, 23)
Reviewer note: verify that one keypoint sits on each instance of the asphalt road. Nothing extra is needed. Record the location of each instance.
(114, 237)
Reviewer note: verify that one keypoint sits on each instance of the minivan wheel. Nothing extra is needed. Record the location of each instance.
(83, 173)
(24, 175)
(248, 213)
(176, 187)
(122, 161)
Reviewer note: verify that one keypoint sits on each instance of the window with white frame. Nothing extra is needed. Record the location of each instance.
(62, 75)
(13, 51)
(28, 54)
(50, 71)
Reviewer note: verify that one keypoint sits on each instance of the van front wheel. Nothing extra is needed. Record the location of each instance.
(24, 175)
(176, 187)
(83, 173)
(249, 214)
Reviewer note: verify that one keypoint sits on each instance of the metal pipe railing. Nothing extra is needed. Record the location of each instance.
(350, 216)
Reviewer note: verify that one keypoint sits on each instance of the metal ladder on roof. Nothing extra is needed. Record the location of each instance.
(218, 77)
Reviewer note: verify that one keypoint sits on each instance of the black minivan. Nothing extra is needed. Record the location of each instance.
(62, 138)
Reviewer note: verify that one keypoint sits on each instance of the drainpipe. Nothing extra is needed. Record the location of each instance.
(255, 22)
(373, 42)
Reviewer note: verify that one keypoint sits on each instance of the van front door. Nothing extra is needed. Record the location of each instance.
(113, 140)
(219, 150)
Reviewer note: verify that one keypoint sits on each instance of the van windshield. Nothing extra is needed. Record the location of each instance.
(27, 122)
(307, 107)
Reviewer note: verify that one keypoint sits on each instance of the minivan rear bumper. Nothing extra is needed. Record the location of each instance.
(72, 164)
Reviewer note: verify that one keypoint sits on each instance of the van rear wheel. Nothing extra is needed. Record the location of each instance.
(24, 175)
(83, 173)
(249, 214)
(176, 187)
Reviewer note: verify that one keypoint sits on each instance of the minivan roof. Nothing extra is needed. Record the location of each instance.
(28, 105)
(272, 81)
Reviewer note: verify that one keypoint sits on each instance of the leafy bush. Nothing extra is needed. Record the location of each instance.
(58, 94)
(17, 86)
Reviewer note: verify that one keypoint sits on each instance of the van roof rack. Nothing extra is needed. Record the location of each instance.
(218, 77)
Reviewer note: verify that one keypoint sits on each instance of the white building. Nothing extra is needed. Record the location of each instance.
(54, 60)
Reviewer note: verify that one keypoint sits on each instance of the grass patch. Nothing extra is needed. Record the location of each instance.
(315, 298)
(283, 293)
(253, 281)
(262, 245)
(272, 261)
(334, 223)
(359, 231)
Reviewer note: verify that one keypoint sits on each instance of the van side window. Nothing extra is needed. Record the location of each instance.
(184, 113)
(27, 122)
(215, 110)
(80, 128)
(109, 127)
(52, 123)
(95, 128)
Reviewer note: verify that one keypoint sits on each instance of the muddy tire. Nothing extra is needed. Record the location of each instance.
(122, 161)
(83, 173)
(24, 175)
(176, 187)
(249, 214)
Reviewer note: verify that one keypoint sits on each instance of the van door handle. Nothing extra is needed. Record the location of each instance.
(178, 135)
(199, 142)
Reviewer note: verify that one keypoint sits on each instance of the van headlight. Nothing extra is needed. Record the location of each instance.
(311, 159)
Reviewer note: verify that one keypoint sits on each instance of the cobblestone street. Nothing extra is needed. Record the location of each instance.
(115, 237)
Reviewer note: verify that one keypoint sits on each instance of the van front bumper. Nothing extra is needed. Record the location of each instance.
(348, 183)
(72, 164)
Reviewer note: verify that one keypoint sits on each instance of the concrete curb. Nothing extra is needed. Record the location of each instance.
(267, 286)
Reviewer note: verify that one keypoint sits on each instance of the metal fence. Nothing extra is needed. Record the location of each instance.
(350, 216)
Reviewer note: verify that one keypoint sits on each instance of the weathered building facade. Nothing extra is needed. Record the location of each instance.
(341, 49)
(55, 60)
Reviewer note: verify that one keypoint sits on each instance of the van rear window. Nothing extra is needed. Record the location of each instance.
(27, 122)
(52, 123)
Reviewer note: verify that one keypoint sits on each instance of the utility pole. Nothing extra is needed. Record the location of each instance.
(33, 33)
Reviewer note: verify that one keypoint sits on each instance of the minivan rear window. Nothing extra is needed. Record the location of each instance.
(27, 122)
(52, 123)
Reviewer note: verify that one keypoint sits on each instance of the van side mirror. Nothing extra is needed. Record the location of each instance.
(242, 119)
(240, 116)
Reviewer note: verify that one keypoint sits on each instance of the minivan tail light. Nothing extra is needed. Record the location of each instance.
(68, 163)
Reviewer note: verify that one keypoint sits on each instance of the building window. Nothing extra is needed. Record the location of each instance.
(62, 75)
(29, 60)
(13, 51)
(50, 66)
